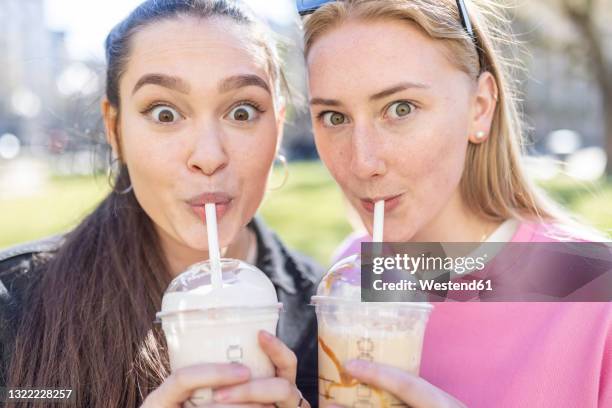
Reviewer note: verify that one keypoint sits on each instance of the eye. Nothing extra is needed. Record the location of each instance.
(334, 118)
(243, 113)
(164, 114)
(399, 110)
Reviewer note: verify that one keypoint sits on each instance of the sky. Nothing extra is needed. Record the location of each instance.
(86, 23)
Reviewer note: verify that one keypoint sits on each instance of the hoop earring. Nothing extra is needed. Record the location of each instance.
(110, 177)
(283, 161)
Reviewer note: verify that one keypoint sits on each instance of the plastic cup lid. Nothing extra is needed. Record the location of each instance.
(342, 283)
(244, 285)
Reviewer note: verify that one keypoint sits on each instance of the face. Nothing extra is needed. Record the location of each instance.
(393, 126)
(196, 125)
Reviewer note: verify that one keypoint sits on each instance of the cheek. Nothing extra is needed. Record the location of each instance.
(154, 160)
(436, 163)
(154, 163)
(334, 152)
(251, 155)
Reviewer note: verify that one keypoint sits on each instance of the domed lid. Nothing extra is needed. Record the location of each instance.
(343, 280)
(243, 285)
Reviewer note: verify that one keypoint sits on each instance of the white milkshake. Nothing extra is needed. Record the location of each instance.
(206, 324)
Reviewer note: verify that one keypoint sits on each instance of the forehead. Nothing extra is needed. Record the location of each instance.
(197, 50)
(374, 54)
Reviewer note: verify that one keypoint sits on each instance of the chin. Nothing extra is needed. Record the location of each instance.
(399, 236)
(195, 242)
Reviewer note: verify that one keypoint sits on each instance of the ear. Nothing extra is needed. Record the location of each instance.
(483, 108)
(280, 125)
(110, 115)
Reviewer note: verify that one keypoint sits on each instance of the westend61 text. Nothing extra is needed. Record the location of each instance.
(431, 285)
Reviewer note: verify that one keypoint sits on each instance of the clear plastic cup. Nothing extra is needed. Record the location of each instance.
(203, 325)
(388, 333)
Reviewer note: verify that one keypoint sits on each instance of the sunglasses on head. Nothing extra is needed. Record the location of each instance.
(306, 7)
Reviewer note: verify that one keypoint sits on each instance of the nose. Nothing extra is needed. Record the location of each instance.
(367, 152)
(208, 154)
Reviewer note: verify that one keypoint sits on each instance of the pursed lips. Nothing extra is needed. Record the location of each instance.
(222, 201)
(391, 202)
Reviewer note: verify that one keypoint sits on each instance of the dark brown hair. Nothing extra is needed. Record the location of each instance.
(87, 319)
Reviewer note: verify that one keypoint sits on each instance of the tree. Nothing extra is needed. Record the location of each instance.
(589, 19)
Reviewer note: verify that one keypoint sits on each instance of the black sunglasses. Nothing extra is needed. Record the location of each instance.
(306, 7)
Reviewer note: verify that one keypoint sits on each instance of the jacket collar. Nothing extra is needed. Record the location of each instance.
(272, 258)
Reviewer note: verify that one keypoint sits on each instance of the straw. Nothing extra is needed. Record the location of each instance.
(213, 245)
(379, 221)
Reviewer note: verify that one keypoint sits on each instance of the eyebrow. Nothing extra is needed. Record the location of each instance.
(326, 102)
(379, 95)
(167, 81)
(240, 81)
(397, 88)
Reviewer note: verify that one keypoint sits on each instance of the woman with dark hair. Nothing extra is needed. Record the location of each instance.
(428, 122)
(194, 114)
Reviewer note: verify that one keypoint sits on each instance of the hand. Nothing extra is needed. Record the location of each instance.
(178, 387)
(279, 391)
(407, 387)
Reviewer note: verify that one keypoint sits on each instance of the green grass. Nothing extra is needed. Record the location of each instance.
(59, 206)
(591, 202)
(308, 212)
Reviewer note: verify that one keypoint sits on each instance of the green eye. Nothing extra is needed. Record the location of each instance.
(398, 110)
(334, 118)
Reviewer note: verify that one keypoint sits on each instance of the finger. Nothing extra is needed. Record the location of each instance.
(406, 386)
(281, 356)
(265, 390)
(179, 386)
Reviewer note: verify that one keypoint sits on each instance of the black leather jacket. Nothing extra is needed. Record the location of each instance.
(294, 276)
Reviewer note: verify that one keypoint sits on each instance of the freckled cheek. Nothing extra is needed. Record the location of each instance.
(438, 167)
(335, 154)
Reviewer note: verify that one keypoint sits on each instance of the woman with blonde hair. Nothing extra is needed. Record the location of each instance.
(412, 103)
(193, 112)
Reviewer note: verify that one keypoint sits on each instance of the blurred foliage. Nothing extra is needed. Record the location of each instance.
(590, 202)
(59, 206)
(308, 212)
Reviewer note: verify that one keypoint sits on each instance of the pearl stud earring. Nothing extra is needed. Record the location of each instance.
(480, 135)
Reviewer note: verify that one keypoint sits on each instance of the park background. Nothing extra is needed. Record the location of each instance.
(53, 160)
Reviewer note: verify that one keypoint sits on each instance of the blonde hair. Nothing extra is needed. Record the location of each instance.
(493, 183)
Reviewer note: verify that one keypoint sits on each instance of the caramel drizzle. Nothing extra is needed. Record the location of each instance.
(346, 380)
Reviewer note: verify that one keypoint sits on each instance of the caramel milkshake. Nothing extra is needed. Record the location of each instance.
(386, 333)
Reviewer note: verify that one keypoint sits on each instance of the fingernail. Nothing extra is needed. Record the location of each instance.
(266, 335)
(356, 365)
(240, 370)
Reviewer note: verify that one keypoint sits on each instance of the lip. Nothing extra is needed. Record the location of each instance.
(222, 201)
(390, 202)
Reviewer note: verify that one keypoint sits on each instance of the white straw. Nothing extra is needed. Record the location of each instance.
(213, 245)
(379, 221)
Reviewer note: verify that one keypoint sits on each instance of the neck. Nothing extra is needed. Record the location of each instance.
(180, 256)
(456, 223)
